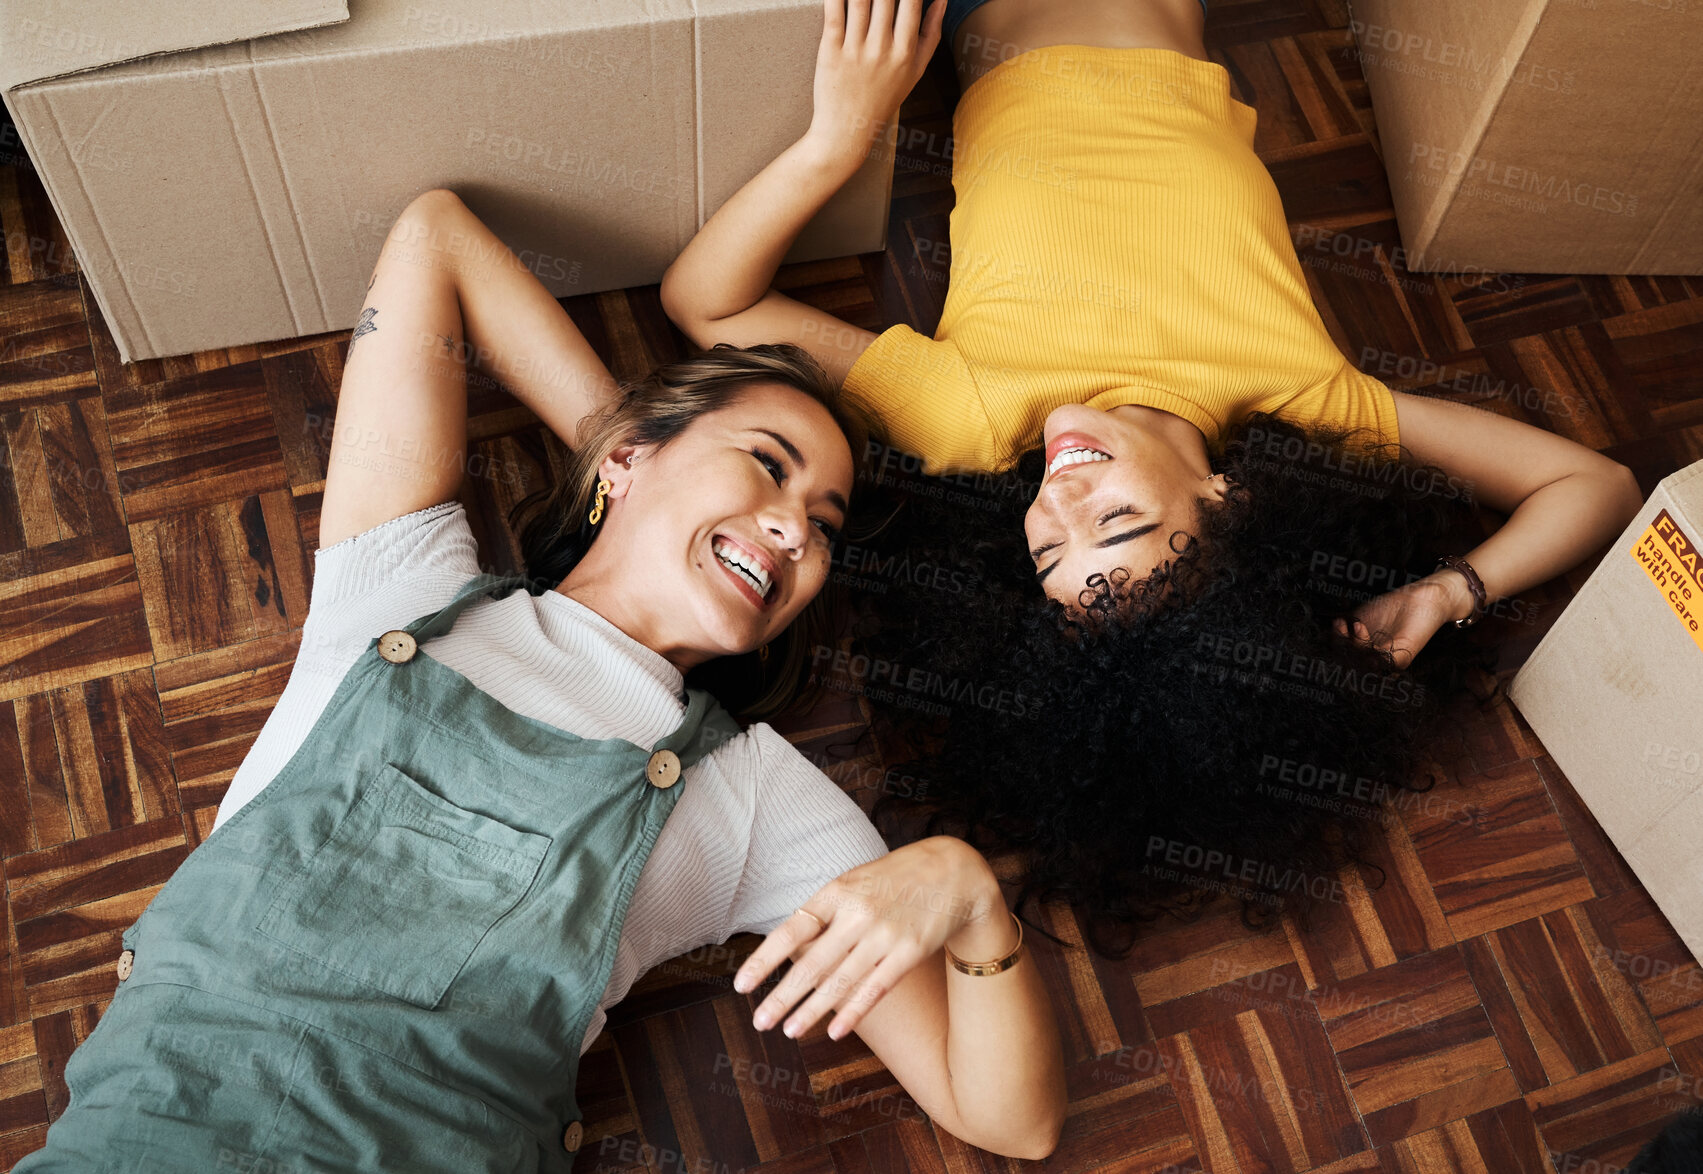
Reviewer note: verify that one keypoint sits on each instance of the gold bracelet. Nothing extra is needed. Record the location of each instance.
(998, 964)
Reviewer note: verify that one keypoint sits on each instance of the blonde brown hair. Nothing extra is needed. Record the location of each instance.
(654, 410)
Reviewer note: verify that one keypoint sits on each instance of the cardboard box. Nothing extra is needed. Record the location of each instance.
(1615, 692)
(227, 171)
(1540, 136)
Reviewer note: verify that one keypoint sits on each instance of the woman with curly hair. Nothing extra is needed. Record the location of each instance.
(1195, 731)
(1128, 326)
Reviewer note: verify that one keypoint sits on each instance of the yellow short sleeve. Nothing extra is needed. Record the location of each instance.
(926, 399)
(1349, 400)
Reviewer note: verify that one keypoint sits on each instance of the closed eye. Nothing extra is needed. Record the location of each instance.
(1128, 535)
(768, 461)
(1114, 540)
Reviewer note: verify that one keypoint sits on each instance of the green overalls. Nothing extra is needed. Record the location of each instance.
(386, 960)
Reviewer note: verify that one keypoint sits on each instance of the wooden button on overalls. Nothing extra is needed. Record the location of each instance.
(572, 1136)
(397, 646)
(663, 770)
(126, 961)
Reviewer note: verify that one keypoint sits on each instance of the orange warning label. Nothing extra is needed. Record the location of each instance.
(1675, 566)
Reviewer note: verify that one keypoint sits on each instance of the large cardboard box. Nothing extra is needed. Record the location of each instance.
(1615, 692)
(1540, 136)
(227, 171)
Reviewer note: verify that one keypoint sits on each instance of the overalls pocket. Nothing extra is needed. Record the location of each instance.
(404, 889)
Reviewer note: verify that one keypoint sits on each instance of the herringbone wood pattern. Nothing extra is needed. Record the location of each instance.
(1507, 1000)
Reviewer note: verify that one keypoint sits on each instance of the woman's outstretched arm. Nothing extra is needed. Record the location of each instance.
(980, 1054)
(445, 292)
(1564, 501)
(720, 287)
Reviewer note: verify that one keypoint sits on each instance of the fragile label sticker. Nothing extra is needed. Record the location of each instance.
(1675, 566)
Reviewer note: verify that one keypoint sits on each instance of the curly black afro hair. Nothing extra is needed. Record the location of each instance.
(1187, 730)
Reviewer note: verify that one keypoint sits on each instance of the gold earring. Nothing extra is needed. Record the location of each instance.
(603, 488)
(763, 652)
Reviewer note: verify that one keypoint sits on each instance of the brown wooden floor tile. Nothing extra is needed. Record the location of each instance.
(32, 744)
(62, 627)
(44, 346)
(817, 1160)
(1682, 1083)
(14, 997)
(1659, 350)
(705, 1099)
(58, 484)
(197, 440)
(1514, 863)
(70, 903)
(214, 703)
(1387, 909)
(111, 769)
(1263, 1083)
(1123, 1103)
(1598, 1121)
(1496, 312)
(1235, 23)
(36, 247)
(23, 1100)
(221, 574)
(112, 752)
(1415, 1044)
(899, 1148)
(1500, 1140)
(301, 387)
(1603, 864)
(1640, 944)
(1104, 1009)
(1361, 1163)
(1578, 1012)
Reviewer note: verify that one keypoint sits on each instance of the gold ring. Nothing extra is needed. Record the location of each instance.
(820, 924)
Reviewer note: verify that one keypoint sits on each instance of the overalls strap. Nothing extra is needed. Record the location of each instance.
(438, 622)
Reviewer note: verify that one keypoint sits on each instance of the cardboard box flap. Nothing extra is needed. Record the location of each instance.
(42, 39)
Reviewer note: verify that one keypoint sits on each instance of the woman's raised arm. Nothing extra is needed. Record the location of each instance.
(719, 289)
(446, 292)
(1563, 500)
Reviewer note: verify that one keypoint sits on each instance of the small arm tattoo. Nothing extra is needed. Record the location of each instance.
(448, 343)
(365, 326)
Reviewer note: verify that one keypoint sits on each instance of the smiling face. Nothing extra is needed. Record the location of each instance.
(1117, 485)
(714, 542)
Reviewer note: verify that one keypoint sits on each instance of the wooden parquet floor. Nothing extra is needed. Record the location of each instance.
(1509, 1000)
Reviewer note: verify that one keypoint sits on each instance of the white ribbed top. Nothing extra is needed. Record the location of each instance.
(756, 830)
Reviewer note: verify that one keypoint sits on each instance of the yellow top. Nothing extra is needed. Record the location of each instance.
(1115, 241)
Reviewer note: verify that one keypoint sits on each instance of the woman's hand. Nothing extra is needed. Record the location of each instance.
(871, 55)
(878, 921)
(1401, 621)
